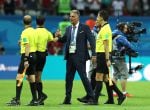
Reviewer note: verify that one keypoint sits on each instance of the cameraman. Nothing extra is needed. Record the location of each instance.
(121, 46)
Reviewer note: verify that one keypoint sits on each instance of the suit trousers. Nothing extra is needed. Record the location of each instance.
(74, 63)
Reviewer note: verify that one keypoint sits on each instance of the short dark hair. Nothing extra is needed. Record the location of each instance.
(121, 26)
(40, 20)
(104, 14)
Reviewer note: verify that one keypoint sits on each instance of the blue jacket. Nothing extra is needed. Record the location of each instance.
(83, 35)
(121, 41)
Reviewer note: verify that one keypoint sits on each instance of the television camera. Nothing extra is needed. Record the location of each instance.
(134, 29)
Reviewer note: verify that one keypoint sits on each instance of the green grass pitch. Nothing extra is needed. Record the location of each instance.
(55, 91)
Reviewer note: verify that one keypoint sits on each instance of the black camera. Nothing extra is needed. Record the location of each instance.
(134, 29)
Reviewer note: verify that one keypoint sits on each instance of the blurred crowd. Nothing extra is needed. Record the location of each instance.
(63, 7)
(58, 7)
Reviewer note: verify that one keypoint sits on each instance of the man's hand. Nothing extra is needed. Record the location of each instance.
(58, 33)
(108, 62)
(55, 39)
(26, 61)
(26, 64)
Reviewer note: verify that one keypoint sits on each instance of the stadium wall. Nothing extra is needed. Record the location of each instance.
(10, 30)
(55, 68)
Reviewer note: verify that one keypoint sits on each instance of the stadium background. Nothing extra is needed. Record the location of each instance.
(11, 14)
(10, 30)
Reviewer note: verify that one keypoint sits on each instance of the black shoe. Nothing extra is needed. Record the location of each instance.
(121, 99)
(42, 99)
(91, 101)
(33, 103)
(109, 102)
(41, 103)
(83, 99)
(66, 101)
(14, 98)
(14, 102)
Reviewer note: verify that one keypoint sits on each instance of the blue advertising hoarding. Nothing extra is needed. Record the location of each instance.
(8, 66)
(12, 26)
(55, 68)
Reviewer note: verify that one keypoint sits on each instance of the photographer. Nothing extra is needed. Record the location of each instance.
(121, 46)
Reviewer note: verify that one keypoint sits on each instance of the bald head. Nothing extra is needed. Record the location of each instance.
(27, 19)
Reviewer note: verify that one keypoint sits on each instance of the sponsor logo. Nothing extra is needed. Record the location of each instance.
(4, 68)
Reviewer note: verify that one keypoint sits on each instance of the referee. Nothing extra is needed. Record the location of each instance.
(28, 60)
(103, 49)
(44, 36)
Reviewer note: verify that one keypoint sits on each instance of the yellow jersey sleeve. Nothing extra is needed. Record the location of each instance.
(50, 37)
(24, 38)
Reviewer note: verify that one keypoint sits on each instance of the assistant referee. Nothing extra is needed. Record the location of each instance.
(28, 42)
(44, 36)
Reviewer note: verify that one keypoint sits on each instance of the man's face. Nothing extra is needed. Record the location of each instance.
(99, 20)
(74, 18)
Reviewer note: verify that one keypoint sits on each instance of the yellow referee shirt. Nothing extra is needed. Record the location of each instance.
(28, 36)
(44, 36)
(105, 33)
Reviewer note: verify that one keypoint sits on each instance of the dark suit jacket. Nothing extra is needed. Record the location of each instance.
(83, 35)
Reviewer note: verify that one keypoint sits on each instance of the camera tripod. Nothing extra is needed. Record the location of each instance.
(133, 70)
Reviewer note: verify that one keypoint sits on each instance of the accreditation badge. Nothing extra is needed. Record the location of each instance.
(72, 48)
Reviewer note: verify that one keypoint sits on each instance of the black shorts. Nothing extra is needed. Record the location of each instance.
(32, 64)
(41, 60)
(101, 64)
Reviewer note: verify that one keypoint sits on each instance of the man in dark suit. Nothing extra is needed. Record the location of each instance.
(76, 54)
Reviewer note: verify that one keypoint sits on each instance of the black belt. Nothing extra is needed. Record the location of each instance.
(29, 53)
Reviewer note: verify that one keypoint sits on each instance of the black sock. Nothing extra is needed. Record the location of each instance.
(93, 81)
(33, 90)
(39, 89)
(116, 89)
(18, 90)
(98, 89)
(109, 92)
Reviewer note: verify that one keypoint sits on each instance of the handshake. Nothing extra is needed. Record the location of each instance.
(57, 35)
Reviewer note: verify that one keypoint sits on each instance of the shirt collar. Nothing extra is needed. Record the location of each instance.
(76, 25)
